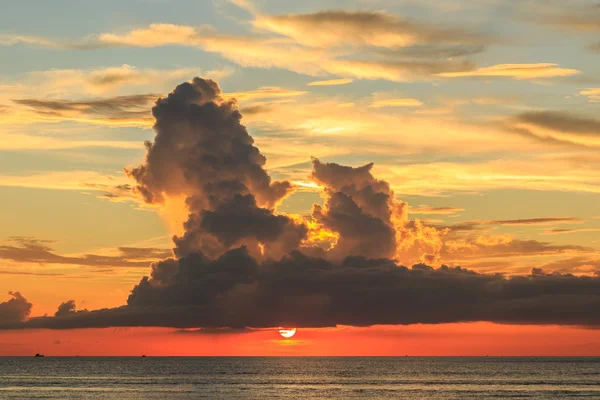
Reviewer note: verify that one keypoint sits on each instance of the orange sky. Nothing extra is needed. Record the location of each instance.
(473, 339)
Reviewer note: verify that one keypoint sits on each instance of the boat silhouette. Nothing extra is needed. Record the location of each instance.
(39, 355)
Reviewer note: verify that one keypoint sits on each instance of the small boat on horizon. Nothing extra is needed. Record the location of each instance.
(39, 355)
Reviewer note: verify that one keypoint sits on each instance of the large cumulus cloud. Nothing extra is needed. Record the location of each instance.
(360, 208)
(237, 291)
(240, 263)
(14, 310)
(202, 152)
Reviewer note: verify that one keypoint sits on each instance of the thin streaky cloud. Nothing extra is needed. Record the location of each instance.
(396, 103)
(331, 82)
(567, 231)
(435, 210)
(516, 71)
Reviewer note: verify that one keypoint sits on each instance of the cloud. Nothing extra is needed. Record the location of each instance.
(559, 231)
(396, 103)
(435, 210)
(242, 264)
(359, 208)
(574, 265)
(256, 109)
(494, 246)
(110, 186)
(265, 93)
(539, 173)
(358, 28)
(516, 71)
(593, 94)
(434, 51)
(397, 70)
(121, 110)
(576, 17)
(537, 221)
(14, 310)
(155, 35)
(29, 273)
(8, 40)
(294, 54)
(30, 250)
(484, 224)
(35, 142)
(559, 121)
(229, 195)
(66, 308)
(235, 291)
(102, 81)
(100, 96)
(330, 82)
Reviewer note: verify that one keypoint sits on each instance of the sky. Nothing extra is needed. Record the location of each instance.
(390, 177)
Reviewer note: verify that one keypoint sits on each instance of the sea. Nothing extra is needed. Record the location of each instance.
(175, 378)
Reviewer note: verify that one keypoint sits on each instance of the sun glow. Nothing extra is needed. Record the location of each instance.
(287, 333)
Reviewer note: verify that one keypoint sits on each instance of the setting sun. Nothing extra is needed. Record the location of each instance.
(287, 333)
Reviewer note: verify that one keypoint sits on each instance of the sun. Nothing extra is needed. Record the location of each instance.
(287, 333)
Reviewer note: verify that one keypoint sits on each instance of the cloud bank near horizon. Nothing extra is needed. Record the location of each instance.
(240, 263)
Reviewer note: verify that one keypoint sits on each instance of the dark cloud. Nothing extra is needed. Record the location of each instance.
(556, 231)
(481, 224)
(216, 331)
(411, 67)
(236, 291)
(544, 139)
(337, 27)
(202, 152)
(113, 192)
(435, 210)
(256, 109)
(571, 17)
(435, 51)
(465, 226)
(575, 265)
(562, 122)
(111, 78)
(29, 273)
(14, 310)
(132, 108)
(66, 308)
(536, 221)
(242, 265)
(360, 208)
(31, 250)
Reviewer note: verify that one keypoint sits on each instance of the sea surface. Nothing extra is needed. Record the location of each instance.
(303, 378)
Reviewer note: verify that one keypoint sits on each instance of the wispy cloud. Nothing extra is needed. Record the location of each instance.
(121, 110)
(331, 82)
(560, 121)
(396, 103)
(592, 94)
(435, 210)
(265, 93)
(31, 250)
(516, 71)
(359, 28)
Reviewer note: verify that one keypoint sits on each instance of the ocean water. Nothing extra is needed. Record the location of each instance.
(303, 378)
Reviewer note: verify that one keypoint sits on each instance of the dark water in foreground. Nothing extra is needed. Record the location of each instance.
(168, 378)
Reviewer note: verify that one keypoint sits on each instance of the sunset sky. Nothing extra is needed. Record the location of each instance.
(480, 119)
